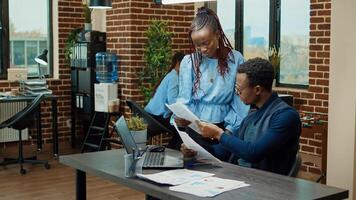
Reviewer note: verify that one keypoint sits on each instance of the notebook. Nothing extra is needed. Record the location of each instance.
(169, 159)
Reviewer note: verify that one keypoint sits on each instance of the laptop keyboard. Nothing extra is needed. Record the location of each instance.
(153, 159)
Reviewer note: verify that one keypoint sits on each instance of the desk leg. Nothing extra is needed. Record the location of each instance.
(54, 127)
(39, 129)
(81, 190)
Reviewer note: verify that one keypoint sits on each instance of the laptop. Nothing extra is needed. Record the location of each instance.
(169, 159)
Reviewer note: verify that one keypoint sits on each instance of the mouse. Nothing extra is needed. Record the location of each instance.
(156, 148)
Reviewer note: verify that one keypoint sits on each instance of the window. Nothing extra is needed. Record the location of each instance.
(294, 43)
(263, 24)
(27, 32)
(255, 28)
(224, 10)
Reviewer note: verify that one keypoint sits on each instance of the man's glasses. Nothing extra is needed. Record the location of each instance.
(239, 90)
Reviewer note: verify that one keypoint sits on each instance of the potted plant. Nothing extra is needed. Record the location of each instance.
(87, 17)
(138, 129)
(69, 43)
(274, 56)
(157, 56)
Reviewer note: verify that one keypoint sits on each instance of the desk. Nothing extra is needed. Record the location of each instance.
(53, 99)
(264, 185)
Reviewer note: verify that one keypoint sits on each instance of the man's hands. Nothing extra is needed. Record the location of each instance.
(210, 130)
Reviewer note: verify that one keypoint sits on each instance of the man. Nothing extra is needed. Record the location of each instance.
(268, 137)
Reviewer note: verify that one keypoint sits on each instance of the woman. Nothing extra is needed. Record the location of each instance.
(207, 76)
(166, 92)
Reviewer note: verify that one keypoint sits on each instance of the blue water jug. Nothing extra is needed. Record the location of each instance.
(106, 67)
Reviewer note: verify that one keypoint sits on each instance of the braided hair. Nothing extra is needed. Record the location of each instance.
(205, 17)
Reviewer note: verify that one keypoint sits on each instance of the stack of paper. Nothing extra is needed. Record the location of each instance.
(175, 177)
(34, 87)
(198, 183)
(209, 187)
(182, 111)
(202, 154)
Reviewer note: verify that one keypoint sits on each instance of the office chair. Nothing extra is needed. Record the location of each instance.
(20, 121)
(155, 127)
(296, 165)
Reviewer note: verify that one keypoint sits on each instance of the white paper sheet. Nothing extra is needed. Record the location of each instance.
(175, 177)
(202, 154)
(208, 187)
(182, 111)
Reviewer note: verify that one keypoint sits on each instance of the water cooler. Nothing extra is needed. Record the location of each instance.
(105, 92)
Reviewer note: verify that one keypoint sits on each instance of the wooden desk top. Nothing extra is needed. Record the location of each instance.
(264, 185)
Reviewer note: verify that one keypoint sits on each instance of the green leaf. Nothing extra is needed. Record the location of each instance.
(157, 56)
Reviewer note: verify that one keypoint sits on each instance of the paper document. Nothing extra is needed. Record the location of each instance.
(208, 187)
(175, 177)
(182, 111)
(202, 154)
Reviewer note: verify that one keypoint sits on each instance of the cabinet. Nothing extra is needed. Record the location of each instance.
(82, 66)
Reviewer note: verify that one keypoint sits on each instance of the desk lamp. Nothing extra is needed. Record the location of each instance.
(41, 60)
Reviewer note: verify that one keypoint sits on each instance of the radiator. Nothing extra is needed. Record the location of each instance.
(8, 109)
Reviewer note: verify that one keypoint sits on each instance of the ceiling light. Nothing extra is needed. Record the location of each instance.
(100, 4)
(178, 1)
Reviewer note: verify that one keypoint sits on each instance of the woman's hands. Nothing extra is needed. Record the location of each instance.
(181, 122)
(187, 152)
(210, 130)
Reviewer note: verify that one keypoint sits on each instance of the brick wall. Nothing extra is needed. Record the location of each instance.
(126, 23)
(70, 16)
(314, 100)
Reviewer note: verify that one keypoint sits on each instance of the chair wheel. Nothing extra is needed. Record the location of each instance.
(47, 166)
(23, 171)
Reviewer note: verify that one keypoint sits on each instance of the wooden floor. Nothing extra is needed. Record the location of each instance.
(55, 183)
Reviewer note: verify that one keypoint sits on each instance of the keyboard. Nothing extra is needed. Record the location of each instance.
(153, 159)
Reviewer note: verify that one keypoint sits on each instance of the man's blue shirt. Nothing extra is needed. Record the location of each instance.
(271, 150)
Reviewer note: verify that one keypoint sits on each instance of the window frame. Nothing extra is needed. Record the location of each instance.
(277, 39)
(4, 42)
(5, 39)
(274, 32)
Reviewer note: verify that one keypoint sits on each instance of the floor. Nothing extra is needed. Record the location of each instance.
(55, 183)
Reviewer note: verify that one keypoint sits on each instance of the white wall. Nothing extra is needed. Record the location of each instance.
(342, 97)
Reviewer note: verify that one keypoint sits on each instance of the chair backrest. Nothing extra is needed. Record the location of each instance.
(154, 125)
(296, 165)
(23, 118)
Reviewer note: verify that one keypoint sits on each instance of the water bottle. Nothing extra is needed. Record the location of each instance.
(106, 67)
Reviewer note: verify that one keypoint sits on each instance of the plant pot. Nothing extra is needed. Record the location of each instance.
(87, 36)
(140, 138)
(87, 27)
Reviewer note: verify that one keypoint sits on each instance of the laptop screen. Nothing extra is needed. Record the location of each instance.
(125, 135)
